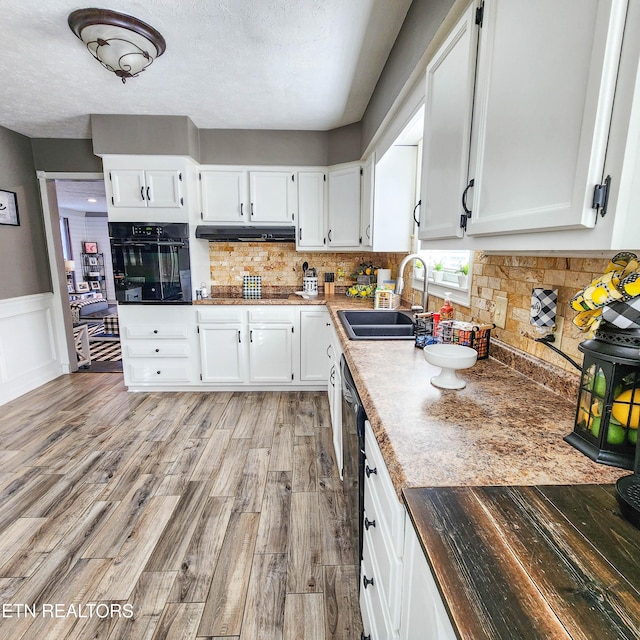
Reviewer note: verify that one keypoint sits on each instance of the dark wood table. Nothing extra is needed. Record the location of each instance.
(531, 562)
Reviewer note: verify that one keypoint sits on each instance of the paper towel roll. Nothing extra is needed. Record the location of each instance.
(383, 274)
(543, 307)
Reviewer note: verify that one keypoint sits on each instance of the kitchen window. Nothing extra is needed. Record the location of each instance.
(444, 269)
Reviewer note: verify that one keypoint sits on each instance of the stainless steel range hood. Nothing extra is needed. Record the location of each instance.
(245, 233)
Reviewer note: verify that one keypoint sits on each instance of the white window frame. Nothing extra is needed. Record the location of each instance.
(459, 295)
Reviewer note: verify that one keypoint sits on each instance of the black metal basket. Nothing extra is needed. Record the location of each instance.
(466, 334)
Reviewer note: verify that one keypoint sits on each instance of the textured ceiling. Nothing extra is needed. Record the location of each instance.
(237, 64)
(75, 194)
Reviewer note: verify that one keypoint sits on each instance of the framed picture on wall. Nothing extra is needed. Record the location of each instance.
(93, 261)
(95, 286)
(9, 208)
(70, 288)
(82, 287)
(90, 247)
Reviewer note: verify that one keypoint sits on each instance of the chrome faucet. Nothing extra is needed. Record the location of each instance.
(400, 280)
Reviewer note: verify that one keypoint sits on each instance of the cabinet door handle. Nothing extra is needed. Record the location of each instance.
(328, 350)
(252, 209)
(369, 471)
(142, 193)
(329, 234)
(369, 523)
(148, 194)
(158, 372)
(416, 220)
(368, 232)
(251, 336)
(239, 338)
(300, 233)
(464, 197)
(363, 637)
(157, 350)
(155, 331)
(242, 208)
(367, 581)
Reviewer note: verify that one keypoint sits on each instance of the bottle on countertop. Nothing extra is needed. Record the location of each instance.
(446, 310)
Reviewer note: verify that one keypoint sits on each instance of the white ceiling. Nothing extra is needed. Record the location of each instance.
(75, 195)
(236, 64)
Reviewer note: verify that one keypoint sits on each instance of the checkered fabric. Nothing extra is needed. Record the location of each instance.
(624, 315)
(543, 307)
(111, 325)
(252, 287)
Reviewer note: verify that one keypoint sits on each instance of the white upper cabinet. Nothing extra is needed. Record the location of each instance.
(149, 189)
(344, 206)
(447, 124)
(545, 85)
(241, 195)
(311, 232)
(223, 195)
(272, 196)
(366, 213)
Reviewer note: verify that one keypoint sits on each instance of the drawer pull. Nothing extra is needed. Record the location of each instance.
(157, 350)
(363, 637)
(369, 523)
(158, 372)
(366, 581)
(155, 331)
(369, 471)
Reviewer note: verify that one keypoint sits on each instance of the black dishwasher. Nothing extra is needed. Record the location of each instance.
(353, 418)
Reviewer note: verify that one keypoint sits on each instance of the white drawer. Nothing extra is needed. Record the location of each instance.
(269, 315)
(159, 330)
(149, 349)
(375, 614)
(379, 489)
(158, 372)
(223, 314)
(388, 566)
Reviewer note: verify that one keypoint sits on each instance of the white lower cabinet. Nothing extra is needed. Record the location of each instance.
(159, 346)
(222, 353)
(399, 598)
(315, 340)
(424, 616)
(334, 391)
(270, 353)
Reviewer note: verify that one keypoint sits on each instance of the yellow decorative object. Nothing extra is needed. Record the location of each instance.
(620, 281)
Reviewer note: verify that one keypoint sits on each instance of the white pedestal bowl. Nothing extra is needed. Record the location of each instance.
(450, 358)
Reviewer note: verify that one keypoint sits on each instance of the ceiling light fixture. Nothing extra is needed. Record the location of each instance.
(91, 200)
(120, 43)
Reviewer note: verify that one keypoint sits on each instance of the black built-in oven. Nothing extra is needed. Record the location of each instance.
(353, 458)
(151, 262)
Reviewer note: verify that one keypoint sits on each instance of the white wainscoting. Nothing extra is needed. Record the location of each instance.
(28, 354)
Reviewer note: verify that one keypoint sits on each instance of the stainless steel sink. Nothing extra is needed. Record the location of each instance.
(377, 324)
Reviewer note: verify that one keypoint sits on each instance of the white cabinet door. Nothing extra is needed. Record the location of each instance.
(270, 353)
(311, 223)
(344, 207)
(163, 189)
(545, 84)
(447, 125)
(128, 188)
(223, 196)
(367, 203)
(153, 188)
(272, 196)
(315, 341)
(423, 612)
(222, 353)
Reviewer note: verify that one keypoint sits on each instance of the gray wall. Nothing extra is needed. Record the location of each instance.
(422, 21)
(345, 144)
(65, 155)
(143, 135)
(23, 252)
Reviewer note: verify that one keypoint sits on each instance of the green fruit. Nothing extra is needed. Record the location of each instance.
(615, 434)
(600, 385)
(632, 436)
(595, 426)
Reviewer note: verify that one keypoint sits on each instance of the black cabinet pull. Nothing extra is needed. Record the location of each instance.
(369, 471)
(241, 208)
(363, 637)
(464, 197)
(157, 350)
(366, 581)
(158, 372)
(239, 338)
(329, 234)
(416, 220)
(148, 195)
(142, 192)
(252, 209)
(369, 523)
(155, 331)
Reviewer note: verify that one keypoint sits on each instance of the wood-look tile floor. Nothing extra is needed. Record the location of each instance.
(171, 516)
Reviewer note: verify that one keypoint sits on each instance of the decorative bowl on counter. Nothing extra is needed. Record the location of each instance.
(450, 358)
